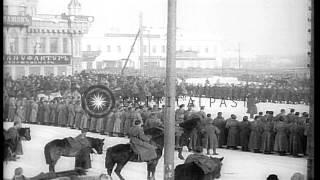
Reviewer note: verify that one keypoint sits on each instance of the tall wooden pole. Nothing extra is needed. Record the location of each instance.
(310, 168)
(170, 92)
(141, 44)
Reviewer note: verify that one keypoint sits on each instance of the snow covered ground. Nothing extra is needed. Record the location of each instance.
(236, 164)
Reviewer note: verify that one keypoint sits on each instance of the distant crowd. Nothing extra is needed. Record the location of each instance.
(30, 87)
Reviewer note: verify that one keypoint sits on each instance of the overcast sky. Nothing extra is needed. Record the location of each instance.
(275, 27)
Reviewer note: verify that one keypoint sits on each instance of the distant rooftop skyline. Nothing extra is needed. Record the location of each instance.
(272, 27)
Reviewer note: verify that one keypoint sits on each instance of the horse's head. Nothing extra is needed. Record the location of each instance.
(156, 134)
(190, 124)
(97, 144)
(216, 173)
(25, 132)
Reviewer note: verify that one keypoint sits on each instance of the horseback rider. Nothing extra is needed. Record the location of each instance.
(13, 134)
(83, 157)
(140, 143)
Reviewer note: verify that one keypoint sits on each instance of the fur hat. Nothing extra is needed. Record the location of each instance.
(18, 171)
(137, 122)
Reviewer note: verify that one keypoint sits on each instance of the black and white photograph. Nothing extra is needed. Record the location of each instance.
(158, 90)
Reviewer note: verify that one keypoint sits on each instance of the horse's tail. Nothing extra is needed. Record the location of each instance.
(47, 153)
(109, 162)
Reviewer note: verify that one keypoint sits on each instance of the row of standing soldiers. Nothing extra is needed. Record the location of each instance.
(69, 113)
(283, 133)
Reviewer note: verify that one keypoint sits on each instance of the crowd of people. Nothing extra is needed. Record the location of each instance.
(285, 134)
(142, 87)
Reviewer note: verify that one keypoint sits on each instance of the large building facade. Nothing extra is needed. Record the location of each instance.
(42, 44)
(116, 46)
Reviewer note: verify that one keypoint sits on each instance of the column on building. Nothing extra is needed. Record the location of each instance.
(60, 45)
(47, 43)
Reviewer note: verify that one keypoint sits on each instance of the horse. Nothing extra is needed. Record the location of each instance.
(62, 147)
(10, 145)
(191, 171)
(187, 126)
(122, 153)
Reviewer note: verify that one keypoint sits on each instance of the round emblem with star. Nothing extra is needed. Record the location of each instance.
(98, 101)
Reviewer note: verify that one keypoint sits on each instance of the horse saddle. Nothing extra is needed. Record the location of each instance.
(135, 157)
(76, 146)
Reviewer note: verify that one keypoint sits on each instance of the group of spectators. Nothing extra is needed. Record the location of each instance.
(283, 134)
(141, 87)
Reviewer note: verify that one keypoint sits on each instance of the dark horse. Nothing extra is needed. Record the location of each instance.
(61, 147)
(10, 145)
(188, 126)
(191, 171)
(122, 153)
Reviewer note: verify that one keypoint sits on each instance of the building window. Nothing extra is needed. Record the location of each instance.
(89, 47)
(42, 45)
(53, 45)
(65, 45)
(13, 45)
(144, 49)
(163, 49)
(154, 49)
(5, 10)
(22, 10)
(108, 48)
(119, 48)
(25, 45)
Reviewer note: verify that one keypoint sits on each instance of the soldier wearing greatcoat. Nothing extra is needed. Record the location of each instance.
(220, 122)
(245, 130)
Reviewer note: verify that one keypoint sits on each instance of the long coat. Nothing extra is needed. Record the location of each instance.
(211, 136)
(71, 114)
(140, 144)
(245, 129)
(281, 143)
(40, 115)
(295, 139)
(53, 111)
(117, 122)
(255, 135)
(233, 133)
(129, 119)
(34, 112)
(221, 124)
(251, 105)
(46, 114)
(78, 114)
(28, 109)
(179, 118)
(93, 124)
(110, 123)
(84, 121)
(12, 109)
(14, 134)
(267, 137)
(100, 125)
(19, 116)
(62, 114)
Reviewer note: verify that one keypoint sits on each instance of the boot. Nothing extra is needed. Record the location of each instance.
(205, 151)
(210, 152)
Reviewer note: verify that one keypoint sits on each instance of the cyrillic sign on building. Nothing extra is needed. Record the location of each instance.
(36, 59)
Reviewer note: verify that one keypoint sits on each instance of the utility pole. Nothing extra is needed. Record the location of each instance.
(170, 93)
(310, 143)
(141, 44)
